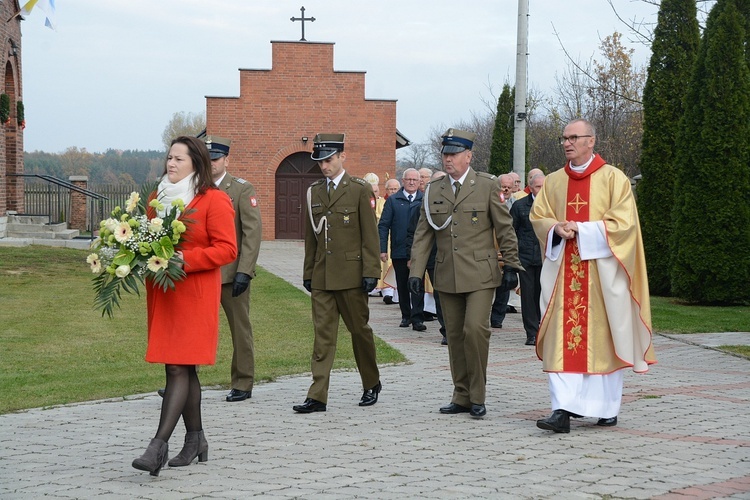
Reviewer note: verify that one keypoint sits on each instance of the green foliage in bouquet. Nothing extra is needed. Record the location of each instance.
(132, 248)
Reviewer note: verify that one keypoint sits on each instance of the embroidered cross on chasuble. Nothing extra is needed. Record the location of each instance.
(576, 289)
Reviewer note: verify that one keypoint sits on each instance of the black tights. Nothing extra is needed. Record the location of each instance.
(182, 396)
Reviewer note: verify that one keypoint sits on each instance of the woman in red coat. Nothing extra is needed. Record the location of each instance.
(183, 324)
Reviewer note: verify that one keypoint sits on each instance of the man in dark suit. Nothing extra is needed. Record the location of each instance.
(530, 254)
(394, 222)
(235, 277)
(341, 268)
(463, 213)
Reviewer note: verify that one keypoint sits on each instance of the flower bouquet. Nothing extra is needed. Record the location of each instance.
(132, 247)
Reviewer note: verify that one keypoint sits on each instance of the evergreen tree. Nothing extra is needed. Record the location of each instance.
(501, 151)
(711, 216)
(675, 44)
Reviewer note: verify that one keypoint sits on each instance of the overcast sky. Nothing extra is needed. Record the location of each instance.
(115, 71)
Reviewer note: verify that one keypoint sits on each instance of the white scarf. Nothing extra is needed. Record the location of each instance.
(168, 192)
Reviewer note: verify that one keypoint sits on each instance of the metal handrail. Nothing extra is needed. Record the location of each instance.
(90, 195)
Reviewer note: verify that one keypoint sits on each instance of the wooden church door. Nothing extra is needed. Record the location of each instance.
(294, 175)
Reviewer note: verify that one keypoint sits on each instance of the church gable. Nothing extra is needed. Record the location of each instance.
(280, 110)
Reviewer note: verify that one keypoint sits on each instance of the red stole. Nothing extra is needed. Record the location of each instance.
(576, 289)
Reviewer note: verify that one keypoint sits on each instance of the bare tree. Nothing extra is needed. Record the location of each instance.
(183, 123)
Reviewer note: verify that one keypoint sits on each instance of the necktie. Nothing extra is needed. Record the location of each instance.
(410, 198)
(331, 188)
(458, 188)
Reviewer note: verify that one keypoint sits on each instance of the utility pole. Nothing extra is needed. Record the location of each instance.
(519, 128)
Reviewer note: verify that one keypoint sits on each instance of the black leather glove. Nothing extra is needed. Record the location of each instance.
(415, 285)
(510, 278)
(308, 285)
(240, 284)
(368, 284)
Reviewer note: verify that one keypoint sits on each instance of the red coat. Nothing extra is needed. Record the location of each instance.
(183, 324)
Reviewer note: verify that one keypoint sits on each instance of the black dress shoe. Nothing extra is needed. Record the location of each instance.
(454, 408)
(559, 421)
(404, 323)
(161, 392)
(419, 327)
(496, 324)
(477, 411)
(511, 310)
(530, 340)
(370, 396)
(429, 316)
(607, 422)
(310, 405)
(238, 395)
(388, 299)
(444, 341)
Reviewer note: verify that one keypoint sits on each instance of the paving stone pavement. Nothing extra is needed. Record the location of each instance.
(680, 433)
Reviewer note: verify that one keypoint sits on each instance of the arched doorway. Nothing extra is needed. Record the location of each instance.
(295, 173)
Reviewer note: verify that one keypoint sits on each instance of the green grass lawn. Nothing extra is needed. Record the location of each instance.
(55, 349)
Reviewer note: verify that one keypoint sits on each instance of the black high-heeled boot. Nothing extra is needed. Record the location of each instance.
(195, 446)
(154, 458)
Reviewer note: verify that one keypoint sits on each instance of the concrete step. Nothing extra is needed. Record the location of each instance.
(28, 219)
(65, 234)
(39, 228)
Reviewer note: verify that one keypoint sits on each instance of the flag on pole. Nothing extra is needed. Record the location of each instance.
(48, 6)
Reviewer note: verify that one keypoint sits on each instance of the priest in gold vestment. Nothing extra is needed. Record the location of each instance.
(596, 315)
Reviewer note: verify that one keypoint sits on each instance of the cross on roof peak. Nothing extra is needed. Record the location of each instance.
(303, 19)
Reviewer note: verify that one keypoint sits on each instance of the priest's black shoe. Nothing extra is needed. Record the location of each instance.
(559, 421)
(161, 392)
(388, 299)
(405, 322)
(477, 411)
(370, 396)
(444, 341)
(530, 340)
(310, 405)
(496, 324)
(607, 422)
(419, 326)
(454, 408)
(238, 395)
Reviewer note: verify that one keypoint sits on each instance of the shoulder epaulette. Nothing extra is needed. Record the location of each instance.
(240, 180)
(358, 180)
(319, 181)
(486, 175)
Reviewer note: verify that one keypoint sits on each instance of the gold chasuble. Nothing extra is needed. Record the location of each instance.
(596, 313)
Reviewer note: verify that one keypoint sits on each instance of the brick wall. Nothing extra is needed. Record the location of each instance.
(11, 134)
(300, 96)
(78, 203)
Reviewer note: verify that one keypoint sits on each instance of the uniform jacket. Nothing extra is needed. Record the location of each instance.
(346, 248)
(395, 218)
(183, 324)
(529, 251)
(247, 225)
(466, 258)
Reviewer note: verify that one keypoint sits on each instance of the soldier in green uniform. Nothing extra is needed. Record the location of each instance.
(463, 212)
(235, 277)
(341, 267)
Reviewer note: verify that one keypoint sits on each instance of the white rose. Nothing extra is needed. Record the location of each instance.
(122, 271)
(155, 225)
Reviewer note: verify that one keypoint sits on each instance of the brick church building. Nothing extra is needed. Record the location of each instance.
(276, 116)
(11, 113)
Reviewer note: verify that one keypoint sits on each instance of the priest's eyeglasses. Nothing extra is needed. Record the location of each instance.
(571, 138)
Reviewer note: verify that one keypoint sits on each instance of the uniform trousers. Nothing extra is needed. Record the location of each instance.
(351, 305)
(237, 310)
(466, 317)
